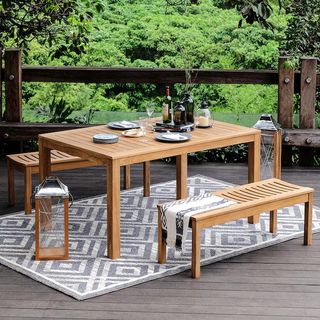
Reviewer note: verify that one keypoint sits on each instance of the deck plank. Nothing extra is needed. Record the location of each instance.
(279, 282)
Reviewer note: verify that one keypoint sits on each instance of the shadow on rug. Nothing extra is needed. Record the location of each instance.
(88, 273)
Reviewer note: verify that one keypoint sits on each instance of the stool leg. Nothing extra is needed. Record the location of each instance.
(162, 248)
(11, 195)
(196, 240)
(146, 179)
(127, 174)
(308, 221)
(27, 190)
(273, 221)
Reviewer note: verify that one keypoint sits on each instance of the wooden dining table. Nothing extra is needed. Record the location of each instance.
(130, 150)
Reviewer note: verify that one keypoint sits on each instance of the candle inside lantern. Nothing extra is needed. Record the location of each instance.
(203, 121)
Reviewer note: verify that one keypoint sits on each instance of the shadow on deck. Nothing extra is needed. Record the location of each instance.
(279, 282)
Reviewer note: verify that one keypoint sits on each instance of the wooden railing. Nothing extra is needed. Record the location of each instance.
(288, 81)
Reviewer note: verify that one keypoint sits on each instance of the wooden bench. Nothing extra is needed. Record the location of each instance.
(28, 164)
(252, 199)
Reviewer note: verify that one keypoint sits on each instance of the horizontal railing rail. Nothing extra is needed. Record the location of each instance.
(288, 81)
(149, 75)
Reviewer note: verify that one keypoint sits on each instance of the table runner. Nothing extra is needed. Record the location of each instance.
(176, 215)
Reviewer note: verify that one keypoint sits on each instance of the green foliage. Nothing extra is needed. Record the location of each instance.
(255, 10)
(302, 36)
(85, 118)
(62, 25)
(249, 99)
(56, 112)
(142, 33)
(232, 154)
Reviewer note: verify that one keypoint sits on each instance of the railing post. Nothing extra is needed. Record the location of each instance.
(13, 92)
(285, 103)
(13, 85)
(308, 87)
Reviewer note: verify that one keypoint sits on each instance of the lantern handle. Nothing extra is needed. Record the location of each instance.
(37, 188)
(70, 199)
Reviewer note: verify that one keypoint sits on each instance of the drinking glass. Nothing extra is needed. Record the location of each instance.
(150, 107)
(143, 125)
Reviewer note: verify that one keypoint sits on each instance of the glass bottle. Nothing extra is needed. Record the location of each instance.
(204, 118)
(179, 114)
(166, 107)
(188, 104)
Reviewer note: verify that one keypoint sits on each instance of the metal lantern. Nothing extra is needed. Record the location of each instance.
(271, 143)
(51, 220)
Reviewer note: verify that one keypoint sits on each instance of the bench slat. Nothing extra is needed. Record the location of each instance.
(31, 159)
(268, 200)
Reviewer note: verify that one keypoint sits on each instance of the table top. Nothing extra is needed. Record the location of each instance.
(130, 150)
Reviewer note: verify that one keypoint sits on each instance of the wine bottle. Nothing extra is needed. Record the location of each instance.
(179, 114)
(166, 107)
(188, 104)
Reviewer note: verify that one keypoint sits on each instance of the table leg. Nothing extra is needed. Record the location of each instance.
(181, 175)
(113, 210)
(146, 179)
(44, 161)
(254, 168)
(11, 193)
(127, 177)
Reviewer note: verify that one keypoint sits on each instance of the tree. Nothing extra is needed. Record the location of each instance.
(250, 10)
(63, 23)
(302, 36)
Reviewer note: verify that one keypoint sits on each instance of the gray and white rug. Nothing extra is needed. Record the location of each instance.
(88, 273)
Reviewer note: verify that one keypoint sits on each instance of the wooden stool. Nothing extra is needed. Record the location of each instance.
(28, 164)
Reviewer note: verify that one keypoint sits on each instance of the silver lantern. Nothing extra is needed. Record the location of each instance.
(51, 220)
(271, 146)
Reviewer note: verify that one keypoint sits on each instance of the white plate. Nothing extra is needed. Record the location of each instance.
(173, 137)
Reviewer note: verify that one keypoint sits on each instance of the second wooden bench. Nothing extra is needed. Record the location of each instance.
(251, 199)
(28, 164)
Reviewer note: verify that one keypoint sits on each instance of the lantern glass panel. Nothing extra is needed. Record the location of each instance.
(271, 140)
(267, 155)
(52, 222)
(52, 201)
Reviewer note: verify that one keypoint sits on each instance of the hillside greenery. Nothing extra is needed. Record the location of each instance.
(142, 33)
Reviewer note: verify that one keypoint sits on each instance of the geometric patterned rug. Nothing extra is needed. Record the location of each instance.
(88, 273)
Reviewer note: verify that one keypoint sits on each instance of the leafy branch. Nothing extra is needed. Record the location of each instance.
(22, 21)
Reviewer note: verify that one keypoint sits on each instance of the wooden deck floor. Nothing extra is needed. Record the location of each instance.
(279, 282)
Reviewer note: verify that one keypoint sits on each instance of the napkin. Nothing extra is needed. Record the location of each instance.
(173, 136)
(124, 123)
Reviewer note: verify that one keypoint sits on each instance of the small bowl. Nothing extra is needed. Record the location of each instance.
(105, 138)
(133, 133)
